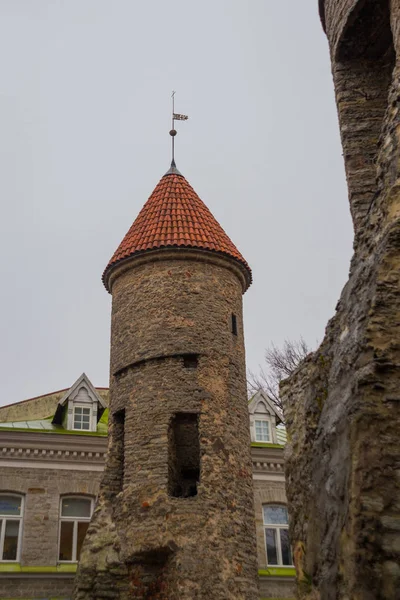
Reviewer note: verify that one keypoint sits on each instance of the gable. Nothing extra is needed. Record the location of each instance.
(261, 408)
(81, 393)
(261, 403)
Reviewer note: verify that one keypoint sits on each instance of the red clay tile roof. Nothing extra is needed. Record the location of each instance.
(174, 216)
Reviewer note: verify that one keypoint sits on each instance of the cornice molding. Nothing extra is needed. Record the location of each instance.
(91, 450)
(268, 460)
(53, 448)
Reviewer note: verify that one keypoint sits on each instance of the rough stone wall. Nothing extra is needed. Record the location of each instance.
(142, 542)
(343, 403)
(336, 14)
(42, 489)
(362, 65)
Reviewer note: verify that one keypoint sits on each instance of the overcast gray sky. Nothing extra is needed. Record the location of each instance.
(85, 112)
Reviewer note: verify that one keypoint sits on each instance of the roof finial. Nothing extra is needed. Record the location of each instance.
(173, 132)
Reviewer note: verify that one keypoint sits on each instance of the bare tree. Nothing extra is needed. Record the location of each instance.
(280, 363)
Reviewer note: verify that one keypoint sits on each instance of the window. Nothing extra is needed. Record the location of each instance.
(277, 535)
(11, 510)
(82, 415)
(74, 522)
(183, 455)
(234, 325)
(262, 431)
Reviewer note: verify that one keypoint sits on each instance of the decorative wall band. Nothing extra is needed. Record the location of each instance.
(40, 453)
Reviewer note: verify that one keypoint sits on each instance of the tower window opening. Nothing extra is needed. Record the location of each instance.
(183, 455)
(118, 435)
(234, 325)
(190, 361)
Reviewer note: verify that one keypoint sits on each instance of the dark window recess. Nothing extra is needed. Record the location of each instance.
(234, 325)
(183, 455)
(190, 361)
(117, 456)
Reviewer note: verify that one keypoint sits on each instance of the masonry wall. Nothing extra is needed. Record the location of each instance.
(336, 14)
(42, 490)
(14, 586)
(269, 492)
(342, 404)
(190, 547)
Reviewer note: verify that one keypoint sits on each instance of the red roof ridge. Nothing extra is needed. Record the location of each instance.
(174, 216)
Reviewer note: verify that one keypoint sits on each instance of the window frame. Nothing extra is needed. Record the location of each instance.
(4, 519)
(74, 520)
(278, 527)
(262, 420)
(81, 405)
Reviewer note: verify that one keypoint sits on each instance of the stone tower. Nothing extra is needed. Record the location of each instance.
(175, 519)
(342, 405)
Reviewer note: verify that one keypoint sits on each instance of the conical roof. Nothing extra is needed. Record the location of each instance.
(175, 217)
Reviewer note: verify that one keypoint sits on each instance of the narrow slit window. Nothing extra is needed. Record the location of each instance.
(119, 447)
(183, 455)
(234, 325)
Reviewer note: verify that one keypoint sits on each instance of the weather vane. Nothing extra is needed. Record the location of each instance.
(173, 132)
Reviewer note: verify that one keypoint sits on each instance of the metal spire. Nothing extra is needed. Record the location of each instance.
(173, 132)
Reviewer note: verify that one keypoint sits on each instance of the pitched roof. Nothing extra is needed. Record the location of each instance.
(47, 426)
(175, 217)
(262, 396)
(82, 382)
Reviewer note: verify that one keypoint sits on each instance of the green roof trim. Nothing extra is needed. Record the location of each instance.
(56, 429)
(46, 426)
(277, 572)
(16, 568)
(266, 445)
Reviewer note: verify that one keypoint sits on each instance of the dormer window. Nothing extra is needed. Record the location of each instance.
(82, 417)
(81, 407)
(264, 419)
(262, 430)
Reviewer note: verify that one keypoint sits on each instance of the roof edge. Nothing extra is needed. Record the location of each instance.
(44, 396)
(150, 252)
